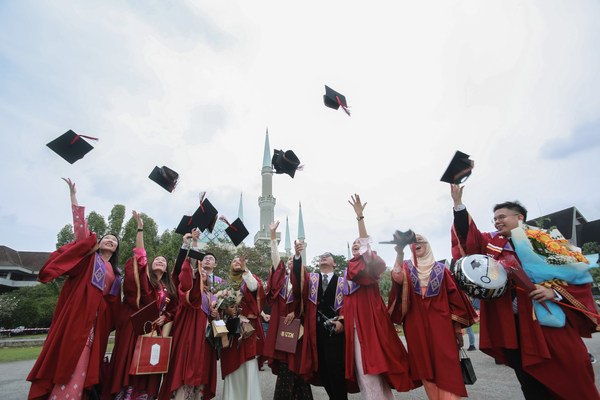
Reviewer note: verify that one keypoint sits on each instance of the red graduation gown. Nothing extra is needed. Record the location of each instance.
(382, 350)
(233, 356)
(429, 329)
(557, 357)
(79, 305)
(193, 361)
(280, 308)
(138, 292)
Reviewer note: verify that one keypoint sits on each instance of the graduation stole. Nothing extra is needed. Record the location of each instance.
(313, 290)
(99, 276)
(206, 303)
(286, 294)
(497, 245)
(435, 279)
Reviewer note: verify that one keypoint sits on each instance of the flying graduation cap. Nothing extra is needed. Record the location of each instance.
(203, 218)
(183, 254)
(285, 162)
(236, 231)
(165, 177)
(459, 169)
(333, 99)
(71, 146)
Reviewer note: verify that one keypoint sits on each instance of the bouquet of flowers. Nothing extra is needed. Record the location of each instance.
(226, 296)
(547, 256)
(553, 246)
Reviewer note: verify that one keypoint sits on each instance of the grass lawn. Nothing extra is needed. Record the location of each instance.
(10, 354)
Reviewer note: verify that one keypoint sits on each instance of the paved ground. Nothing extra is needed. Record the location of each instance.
(494, 382)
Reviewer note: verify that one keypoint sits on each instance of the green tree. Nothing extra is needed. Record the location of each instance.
(169, 244)
(65, 235)
(115, 219)
(31, 307)
(341, 263)
(258, 259)
(385, 284)
(590, 248)
(96, 224)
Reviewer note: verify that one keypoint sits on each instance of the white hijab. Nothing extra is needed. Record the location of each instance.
(424, 264)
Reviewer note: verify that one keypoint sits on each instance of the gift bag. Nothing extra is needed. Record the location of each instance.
(246, 327)
(219, 328)
(151, 355)
(466, 368)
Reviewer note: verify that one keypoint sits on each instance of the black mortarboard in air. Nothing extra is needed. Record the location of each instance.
(186, 225)
(459, 169)
(333, 99)
(71, 146)
(183, 254)
(206, 216)
(165, 177)
(236, 231)
(402, 238)
(285, 162)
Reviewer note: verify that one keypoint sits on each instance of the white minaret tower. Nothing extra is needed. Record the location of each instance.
(266, 202)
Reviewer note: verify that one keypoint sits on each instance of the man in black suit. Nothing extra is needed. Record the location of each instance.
(330, 343)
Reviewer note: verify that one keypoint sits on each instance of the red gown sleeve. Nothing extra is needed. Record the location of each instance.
(275, 283)
(80, 226)
(364, 273)
(68, 260)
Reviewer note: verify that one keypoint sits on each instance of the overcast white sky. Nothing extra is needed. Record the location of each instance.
(194, 84)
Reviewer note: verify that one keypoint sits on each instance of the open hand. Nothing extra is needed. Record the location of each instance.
(357, 204)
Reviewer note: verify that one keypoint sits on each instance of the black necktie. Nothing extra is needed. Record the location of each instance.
(325, 282)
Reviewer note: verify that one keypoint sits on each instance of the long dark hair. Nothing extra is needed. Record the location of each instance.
(165, 279)
(114, 259)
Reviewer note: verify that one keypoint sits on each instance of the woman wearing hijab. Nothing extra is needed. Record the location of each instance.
(70, 361)
(239, 367)
(432, 310)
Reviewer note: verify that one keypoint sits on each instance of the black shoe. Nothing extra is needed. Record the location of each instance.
(471, 348)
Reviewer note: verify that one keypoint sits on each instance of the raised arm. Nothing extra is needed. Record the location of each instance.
(80, 227)
(251, 282)
(274, 251)
(359, 209)
(139, 239)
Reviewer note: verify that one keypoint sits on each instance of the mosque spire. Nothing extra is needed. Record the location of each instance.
(267, 153)
(266, 201)
(288, 241)
(300, 223)
(241, 209)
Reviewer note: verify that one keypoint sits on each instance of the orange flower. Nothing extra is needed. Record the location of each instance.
(544, 238)
(553, 246)
(532, 233)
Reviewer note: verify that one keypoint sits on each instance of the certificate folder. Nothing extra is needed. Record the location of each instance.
(287, 336)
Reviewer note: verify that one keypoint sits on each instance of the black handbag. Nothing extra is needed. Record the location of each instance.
(466, 368)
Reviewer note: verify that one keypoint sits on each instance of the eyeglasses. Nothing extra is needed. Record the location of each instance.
(208, 258)
(501, 217)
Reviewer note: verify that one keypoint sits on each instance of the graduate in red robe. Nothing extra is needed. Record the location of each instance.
(375, 355)
(84, 315)
(193, 365)
(239, 367)
(549, 362)
(425, 300)
(141, 286)
(284, 303)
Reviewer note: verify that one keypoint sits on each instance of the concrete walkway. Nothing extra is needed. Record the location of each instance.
(494, 382)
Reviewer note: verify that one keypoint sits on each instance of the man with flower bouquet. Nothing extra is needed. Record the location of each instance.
(549, 358)
(240, 301)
